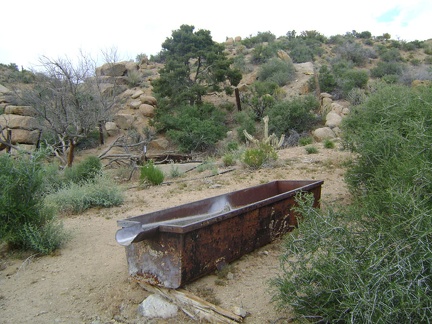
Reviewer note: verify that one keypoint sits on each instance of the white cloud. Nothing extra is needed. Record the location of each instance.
(58, 28)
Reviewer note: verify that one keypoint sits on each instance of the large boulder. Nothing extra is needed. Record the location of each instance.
(112, 69)
(22, 136)
(284, 56)
(323, 133)
(124, 121)
(333, 119)
(20, 110)
(147, 110)
(17, 121)
(150, 100)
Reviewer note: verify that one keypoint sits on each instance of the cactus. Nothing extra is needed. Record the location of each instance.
(272, 139)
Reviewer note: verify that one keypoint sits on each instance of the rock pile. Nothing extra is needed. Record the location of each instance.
(18, 124)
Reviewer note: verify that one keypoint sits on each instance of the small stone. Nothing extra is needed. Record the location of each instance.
(155, 306)
(230, 276)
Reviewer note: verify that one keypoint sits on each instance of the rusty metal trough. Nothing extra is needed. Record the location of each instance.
(175, 246)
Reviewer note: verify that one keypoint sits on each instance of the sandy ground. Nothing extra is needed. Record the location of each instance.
(87, 281)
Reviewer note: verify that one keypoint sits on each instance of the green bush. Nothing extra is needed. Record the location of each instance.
(84, 171)
(151, 174)
(259, 156)
(326, 79)
(329, 144)
(77, 197)
(295, 114)
(370, 262)
(351, 79)
(23, 215)
(196, 128)
(310, 149)
(305, 140)
(246, 121)
(228, 159)
(387, 68)
(354, 52)
(277, 71)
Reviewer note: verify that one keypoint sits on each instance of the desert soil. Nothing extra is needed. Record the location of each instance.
(87, 280)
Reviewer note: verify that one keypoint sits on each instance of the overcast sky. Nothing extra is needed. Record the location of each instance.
(59, 28)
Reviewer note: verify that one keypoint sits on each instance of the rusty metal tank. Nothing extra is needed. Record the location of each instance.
(175, 246)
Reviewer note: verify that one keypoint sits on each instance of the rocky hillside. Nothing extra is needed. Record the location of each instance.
(19, 124)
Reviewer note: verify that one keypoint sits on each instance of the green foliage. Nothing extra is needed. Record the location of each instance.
(228, 159)
(240, 63)
(263, 53)
(23, 217)
(306, 140)
(295, 114)
(196, 128)
(277, 71)
(329, 144)
(387, 68)
(194, 66)
(150, 174)
(246, 121)
(257, 157)
(260, 97)
(261, 37)
(310, 149)
(77, 197)
(326, 79)
(369, 262)
(391, 55)
(84, 171)
(45, 239)
(354, 52)
(351, 79)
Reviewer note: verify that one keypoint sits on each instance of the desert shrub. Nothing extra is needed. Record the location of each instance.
(386, 68)
(23, 215)
(228, 159)
(305, 140)
(310, 149)
(369, 262)
(134, 78)
(260, 37)
(391, 55)
(241, 63)
(277, 71)
(196, 128)
(232, 146)
(150, 174)
(257, 157)
(261, 96)
(175, 172)
(301, 53)
(295, 114)
(45, 239)
(329, 144)
(411, 73)
(354, 52)
(326, 79)
(263, 52)
(87, 169)
(356, 96)
(246, 121)
(77, 197)
(351, 79)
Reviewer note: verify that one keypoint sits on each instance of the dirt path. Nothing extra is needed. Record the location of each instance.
(87, 281)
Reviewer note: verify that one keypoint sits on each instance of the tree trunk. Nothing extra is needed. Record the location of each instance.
(101, 133)
(237, 96)
(70, 156)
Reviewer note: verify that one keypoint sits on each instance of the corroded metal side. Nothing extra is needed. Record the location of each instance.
(157, 260)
